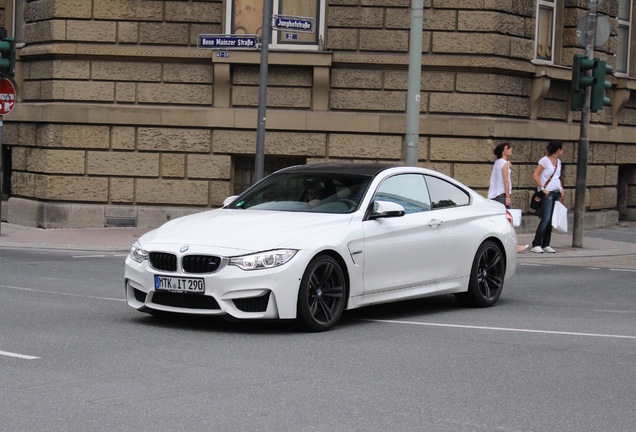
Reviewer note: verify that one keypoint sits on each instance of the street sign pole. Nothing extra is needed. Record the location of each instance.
(584, 142)
(7, 102)
(266, 38)
(414, 79)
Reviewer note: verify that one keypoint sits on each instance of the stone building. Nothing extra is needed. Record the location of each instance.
(122, 121)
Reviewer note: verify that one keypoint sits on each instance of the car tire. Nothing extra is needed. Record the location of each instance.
(321, 297)
(486, 277)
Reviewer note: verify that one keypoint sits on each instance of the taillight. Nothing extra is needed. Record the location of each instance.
(509, 216)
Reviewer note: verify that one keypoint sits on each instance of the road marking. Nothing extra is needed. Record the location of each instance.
(90, 256)
(624, 270)
(22, 356)
(518, 330)
(61, 293)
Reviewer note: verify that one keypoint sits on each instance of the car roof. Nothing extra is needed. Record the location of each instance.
(367, 169)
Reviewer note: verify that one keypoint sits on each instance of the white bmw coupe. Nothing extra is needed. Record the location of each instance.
(308, 242)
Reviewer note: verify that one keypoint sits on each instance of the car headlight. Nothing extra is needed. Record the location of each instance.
(263, 260)
(137, 253)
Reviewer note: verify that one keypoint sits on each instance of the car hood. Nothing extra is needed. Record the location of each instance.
(241, 231)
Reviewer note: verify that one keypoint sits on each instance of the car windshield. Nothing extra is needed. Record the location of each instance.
(306, 192)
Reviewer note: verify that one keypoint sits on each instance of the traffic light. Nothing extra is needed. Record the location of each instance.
(7, 57)
(580, 79)
(599, 100)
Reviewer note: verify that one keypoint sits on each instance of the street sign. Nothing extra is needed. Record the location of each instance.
(601, 33)
(293, 23)
(7, 96)
(228, 42)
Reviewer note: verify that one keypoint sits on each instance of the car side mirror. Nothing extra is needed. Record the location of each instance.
(227, 201)
(386, 209)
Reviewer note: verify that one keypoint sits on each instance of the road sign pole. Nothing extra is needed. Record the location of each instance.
(413, 91)
(583, 148)
(266, 38)
(7, 102)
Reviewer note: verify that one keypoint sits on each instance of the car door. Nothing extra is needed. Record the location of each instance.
(406, 251)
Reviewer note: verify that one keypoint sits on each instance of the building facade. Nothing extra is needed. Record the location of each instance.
(122, 121)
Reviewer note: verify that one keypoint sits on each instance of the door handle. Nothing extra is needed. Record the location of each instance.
(435, 222)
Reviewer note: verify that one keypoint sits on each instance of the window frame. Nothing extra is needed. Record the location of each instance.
(552, 6)
(275, 43)
(625, 23)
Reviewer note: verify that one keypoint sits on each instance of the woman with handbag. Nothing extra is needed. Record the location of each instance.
(547, 176)
(500, 185)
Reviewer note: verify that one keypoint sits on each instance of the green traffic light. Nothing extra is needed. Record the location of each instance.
(7, 57)
(581, 80)
(599, 100)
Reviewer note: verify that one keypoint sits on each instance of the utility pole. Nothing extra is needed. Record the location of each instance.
(584, 142)
(415, 77)
(266, 37)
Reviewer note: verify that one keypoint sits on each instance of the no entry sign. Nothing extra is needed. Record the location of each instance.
(7, 96)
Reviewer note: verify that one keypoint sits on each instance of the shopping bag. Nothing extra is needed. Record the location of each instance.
(560, 217)
(516, 217)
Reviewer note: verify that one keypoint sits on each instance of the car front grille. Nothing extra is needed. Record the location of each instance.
(200, 263)
(163, 261)
(184, 300)
(253, 304)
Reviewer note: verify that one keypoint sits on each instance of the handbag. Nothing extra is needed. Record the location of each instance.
(537, 197)
(535, 201)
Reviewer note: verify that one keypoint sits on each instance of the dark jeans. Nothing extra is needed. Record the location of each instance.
(544, 230)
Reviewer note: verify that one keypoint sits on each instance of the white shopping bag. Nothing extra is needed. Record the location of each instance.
(560, 218)
(516, 217)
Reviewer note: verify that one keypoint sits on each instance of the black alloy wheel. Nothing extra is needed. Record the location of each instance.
(321, 297)
(486, 277)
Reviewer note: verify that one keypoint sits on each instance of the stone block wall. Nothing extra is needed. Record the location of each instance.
(120, 112)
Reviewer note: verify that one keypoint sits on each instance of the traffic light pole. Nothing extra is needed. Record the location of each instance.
(584, 143)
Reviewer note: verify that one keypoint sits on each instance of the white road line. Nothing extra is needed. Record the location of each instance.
(518, 330)
(624, 270)
(90, 256)
(22, 356)
(62, 294)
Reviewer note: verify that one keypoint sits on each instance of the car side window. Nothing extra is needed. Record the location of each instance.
(408, 190)
(445, 194)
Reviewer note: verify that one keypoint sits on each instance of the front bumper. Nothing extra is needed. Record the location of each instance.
(255, 294)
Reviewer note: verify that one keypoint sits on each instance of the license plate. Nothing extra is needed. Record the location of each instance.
(176, 284)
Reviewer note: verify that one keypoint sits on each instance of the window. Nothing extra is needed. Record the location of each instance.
(244, 166)
(246, 17)
(445, 194)
(408, 190)
(624, 30)
(544, 43)
(306, 191)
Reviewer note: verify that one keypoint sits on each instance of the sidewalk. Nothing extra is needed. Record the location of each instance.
(91, 239)
(596, 252)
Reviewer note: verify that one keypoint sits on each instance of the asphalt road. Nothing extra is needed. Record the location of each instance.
(557, 353)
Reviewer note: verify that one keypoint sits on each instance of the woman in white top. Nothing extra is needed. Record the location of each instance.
(547, 175)
(500, 188)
